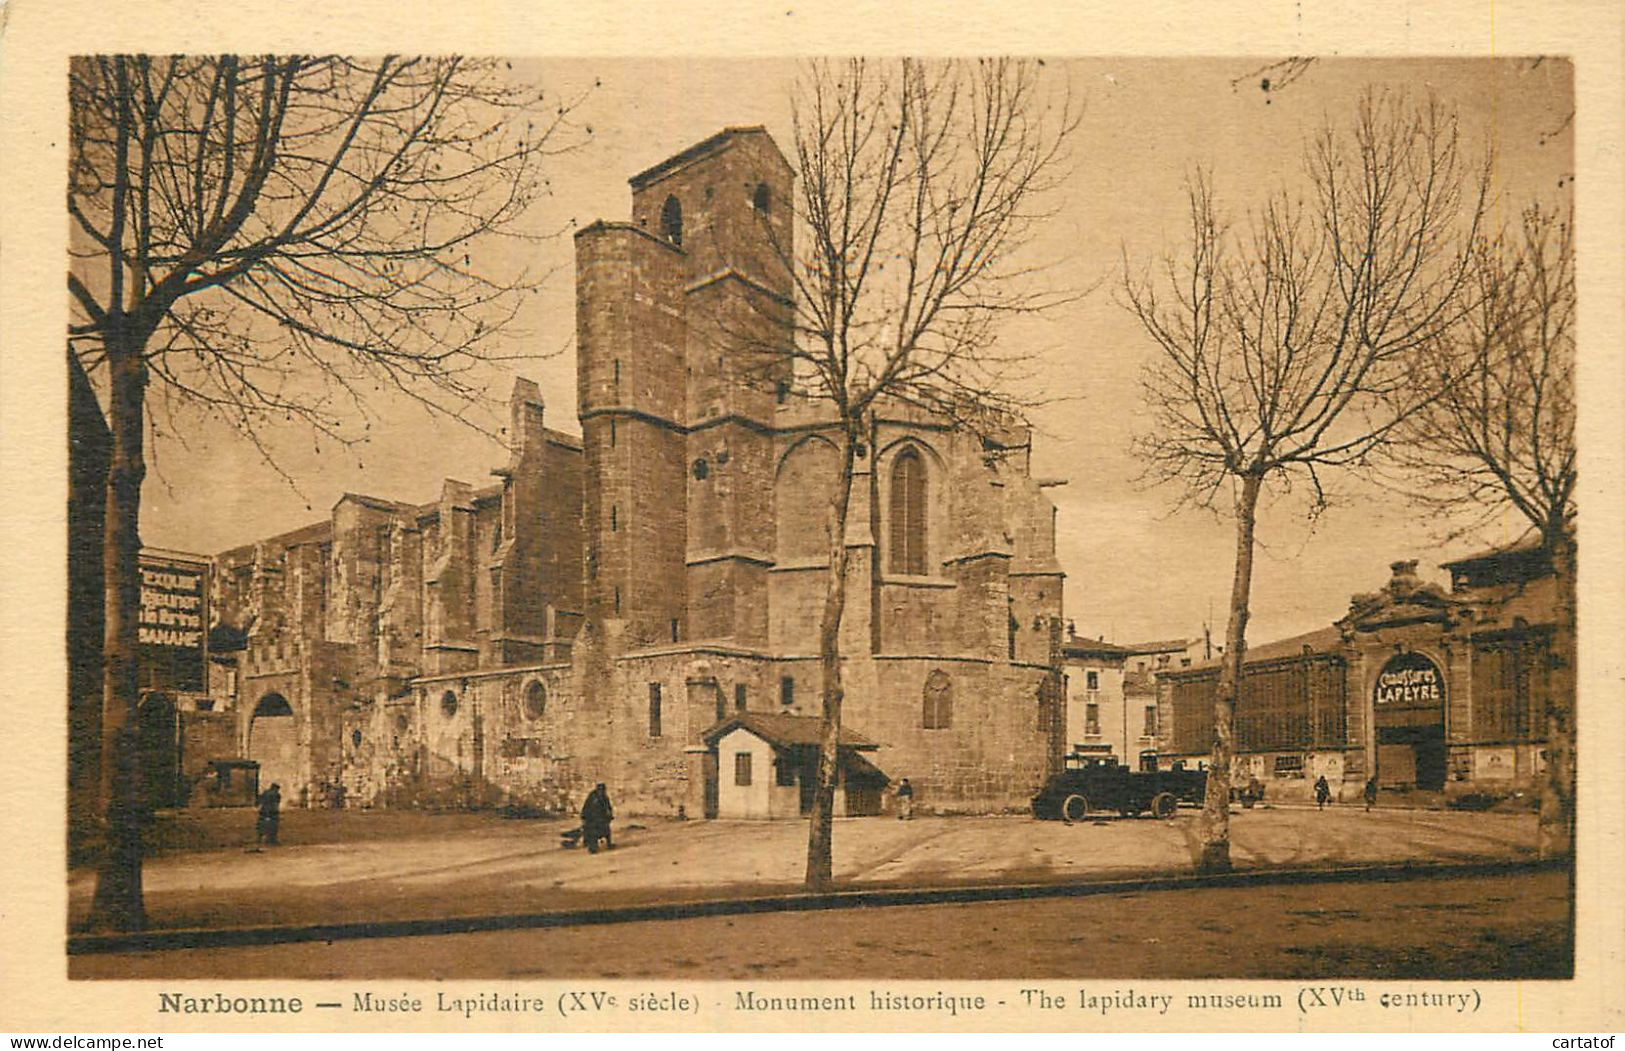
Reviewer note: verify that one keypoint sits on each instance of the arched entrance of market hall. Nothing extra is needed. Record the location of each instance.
(273, 742)
(1407, 705)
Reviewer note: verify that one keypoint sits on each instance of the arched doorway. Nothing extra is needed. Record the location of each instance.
(1407, 703)
(273, 742)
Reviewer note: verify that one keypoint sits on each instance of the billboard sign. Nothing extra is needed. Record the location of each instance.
(173, 624)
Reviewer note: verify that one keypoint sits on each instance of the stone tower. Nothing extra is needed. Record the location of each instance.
(682, 319)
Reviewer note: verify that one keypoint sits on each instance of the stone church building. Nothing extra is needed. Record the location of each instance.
(607, 600)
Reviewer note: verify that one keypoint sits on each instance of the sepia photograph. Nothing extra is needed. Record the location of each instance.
(1135, 495)
(835, 533)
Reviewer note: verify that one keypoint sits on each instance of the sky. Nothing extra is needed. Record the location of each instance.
(1137, 569)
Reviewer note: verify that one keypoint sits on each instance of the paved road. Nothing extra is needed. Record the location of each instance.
(1472, 928)
(503, 867)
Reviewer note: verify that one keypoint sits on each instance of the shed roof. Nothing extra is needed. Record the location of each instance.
(786, 731)
(856, 768)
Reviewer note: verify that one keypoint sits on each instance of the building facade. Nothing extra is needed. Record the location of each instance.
(1095, 713)
(610, 598)
(1416, 686)
(1112, 703)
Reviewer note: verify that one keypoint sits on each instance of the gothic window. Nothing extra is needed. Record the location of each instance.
(739, 696)
(908, 514)
(762, 199)
(938, 713)
(654, 709)
(535, 701)
(671, 221)
(787, 691)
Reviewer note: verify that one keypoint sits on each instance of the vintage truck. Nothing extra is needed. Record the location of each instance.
(1092, 784)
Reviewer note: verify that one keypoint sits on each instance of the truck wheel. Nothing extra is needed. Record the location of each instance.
(1163, 805)
(1074, 808)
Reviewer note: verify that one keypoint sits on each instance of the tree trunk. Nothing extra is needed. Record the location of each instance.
(117, 904)
(820, 858)
(1556, 831)
(1213, 830)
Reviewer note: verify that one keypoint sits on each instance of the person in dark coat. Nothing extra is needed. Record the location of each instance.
(1370, 793)
(905, 801)
(596, 815)
(270, 804)
(1323, 792)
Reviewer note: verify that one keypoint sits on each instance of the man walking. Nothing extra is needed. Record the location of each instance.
(905, 801)
(270, 804)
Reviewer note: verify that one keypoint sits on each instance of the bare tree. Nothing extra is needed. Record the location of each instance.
(1279, 348)
(919, 186)
(274, 239)
(1494, 434)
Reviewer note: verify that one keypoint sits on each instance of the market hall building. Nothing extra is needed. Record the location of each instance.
(1421, 687)
(604, 608)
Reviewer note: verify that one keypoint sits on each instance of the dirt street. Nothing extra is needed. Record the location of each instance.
(464, 866)
(1470, 928)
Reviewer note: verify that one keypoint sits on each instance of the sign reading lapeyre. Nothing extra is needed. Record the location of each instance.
(1409, 680)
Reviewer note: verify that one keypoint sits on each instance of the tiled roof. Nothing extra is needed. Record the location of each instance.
(1077, 647)
(1529, 542)
(698, 150)
(783, 730)
(1163, 646)
(1321, 640)
(855, 767)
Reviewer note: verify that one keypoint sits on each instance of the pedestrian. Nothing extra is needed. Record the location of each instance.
(1323, 792)
(1370, 793)
(905, 801)
(596, 815)
(270, 804)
